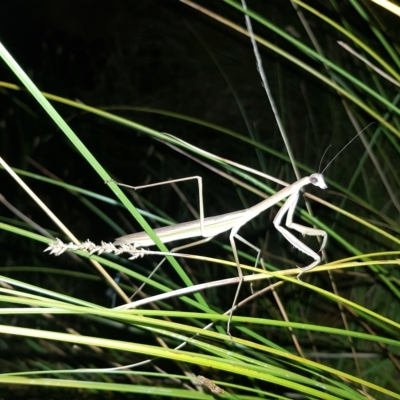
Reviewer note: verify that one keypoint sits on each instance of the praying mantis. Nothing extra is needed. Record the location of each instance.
(209, 227)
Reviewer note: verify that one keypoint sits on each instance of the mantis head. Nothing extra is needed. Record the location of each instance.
(318, 180)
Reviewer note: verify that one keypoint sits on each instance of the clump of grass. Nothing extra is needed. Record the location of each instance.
(325, 338)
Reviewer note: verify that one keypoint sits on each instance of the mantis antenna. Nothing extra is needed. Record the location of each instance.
(322, 158)
(348, 144)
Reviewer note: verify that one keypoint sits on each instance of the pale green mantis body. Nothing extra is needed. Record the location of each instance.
(209, 227)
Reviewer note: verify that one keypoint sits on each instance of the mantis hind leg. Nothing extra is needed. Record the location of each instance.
(200, 216)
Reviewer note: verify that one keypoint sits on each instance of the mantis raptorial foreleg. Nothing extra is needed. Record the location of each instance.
(289, 208)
